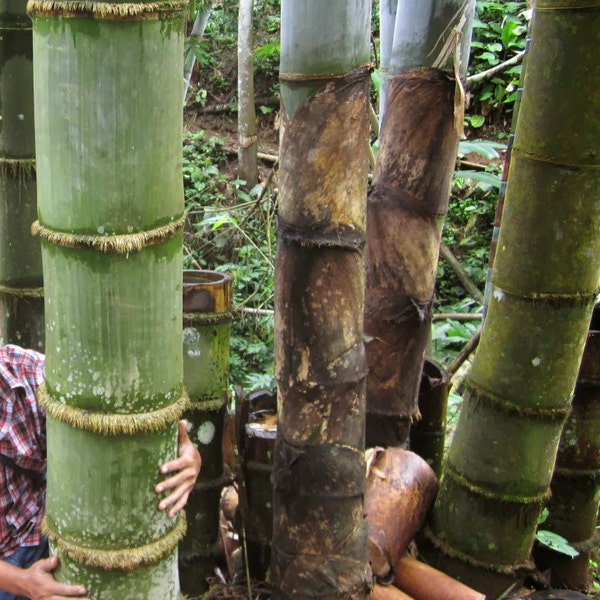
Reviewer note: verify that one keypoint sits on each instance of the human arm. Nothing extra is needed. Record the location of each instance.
(37, 582)
(186, 468)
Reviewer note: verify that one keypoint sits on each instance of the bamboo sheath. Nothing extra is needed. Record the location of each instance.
(110, 210)
(423, 582)
(319, 529)
(388, 592)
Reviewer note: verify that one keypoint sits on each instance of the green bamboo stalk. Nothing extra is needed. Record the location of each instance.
(545, 282)
(319, 530)
(21, 295)
(108, 143)
(207, 316)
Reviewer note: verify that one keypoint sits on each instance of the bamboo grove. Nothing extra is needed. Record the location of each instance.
(110, 219)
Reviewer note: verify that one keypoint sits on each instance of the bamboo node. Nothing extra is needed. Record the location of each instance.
(462, 481)
(209, 405)
(112, 424)
(18, 167)
(37, 292)
(105, 10)
(190, 318)
(321, 77)
(508, 407)
(125, 559)
(453, 553)
(120, 243)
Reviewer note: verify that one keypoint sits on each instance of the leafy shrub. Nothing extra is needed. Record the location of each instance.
(232, 231)
(499, 33)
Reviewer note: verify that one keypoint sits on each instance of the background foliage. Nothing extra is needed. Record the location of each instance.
(232, 229)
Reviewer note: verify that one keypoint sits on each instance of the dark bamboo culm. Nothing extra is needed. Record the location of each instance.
(575, 486)
(21, 281)
(260, 432)
(428, 434)
(207, 317)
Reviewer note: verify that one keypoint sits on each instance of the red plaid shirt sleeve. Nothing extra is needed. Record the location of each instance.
(23, 439)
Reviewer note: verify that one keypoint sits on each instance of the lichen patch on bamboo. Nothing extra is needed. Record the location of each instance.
(112, 424)
(120, 244)
(105, 10)
(126, 559)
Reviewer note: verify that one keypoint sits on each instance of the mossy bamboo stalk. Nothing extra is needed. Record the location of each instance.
(319, 531)
(21, 282)
(110, 207)
(407, 205)
(545, 281)
(575, 485)
(207, 316)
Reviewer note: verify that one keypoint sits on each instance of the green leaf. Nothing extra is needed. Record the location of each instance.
(475, 120)
(555, 542)
(485, 179)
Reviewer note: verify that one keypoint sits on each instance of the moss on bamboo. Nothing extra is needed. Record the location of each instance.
(505, 406)
(106, 10)
(447, 550)
(19, 168)
(554, 300)
(113, 424)
(206, 405)
(207, 318)
(126, 559)
(37, 292)
(451, 473)
(120, 244)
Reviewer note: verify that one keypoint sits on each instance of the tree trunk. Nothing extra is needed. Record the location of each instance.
(546, 274)
(247, 134)
(319, 530)
(108, 143)
(21, 293)
(203, 13)
(407, 204)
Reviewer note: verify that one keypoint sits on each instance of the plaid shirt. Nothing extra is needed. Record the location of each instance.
(23, 439)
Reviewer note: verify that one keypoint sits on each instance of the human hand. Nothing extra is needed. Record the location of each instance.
(187, 466)
(42, 586)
